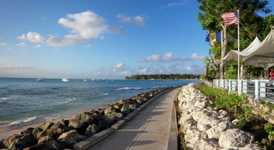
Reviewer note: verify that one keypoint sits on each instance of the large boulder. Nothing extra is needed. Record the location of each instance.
(206, 144)
(92, 129)
(109, 120)
(109, 110)
(11, 139)
(2, 145)
(21, 142)
(54, 131)
(235, 138)
(70, 138)
(49, 145)
(81, 122)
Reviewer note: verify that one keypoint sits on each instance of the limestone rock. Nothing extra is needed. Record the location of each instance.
(207, 144)
(235, 138)
(251, 147)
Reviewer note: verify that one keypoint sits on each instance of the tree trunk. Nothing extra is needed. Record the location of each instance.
(217, 70)
(206, 70)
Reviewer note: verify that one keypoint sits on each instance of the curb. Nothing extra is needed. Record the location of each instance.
(87, 143)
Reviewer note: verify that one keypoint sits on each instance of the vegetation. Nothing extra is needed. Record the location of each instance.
(163, 77)
(252, 25)
(245, 120)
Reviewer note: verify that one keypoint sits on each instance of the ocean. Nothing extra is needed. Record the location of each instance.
(25, 101)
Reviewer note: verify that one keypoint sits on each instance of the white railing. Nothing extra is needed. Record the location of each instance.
(257, 89)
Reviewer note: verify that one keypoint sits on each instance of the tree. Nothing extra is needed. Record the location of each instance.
(251, 24)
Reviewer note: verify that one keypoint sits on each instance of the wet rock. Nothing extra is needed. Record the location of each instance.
(2, 145)
(28, 131)
(109, 109)
(54, 131)
(50, 145)
(11, 139)
(110, 120)
(70, 138)
(80, 123)
(35, 131)
(140, 101)
(23, 142)
(92, 129)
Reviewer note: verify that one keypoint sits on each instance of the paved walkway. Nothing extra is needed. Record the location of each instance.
(148, 130)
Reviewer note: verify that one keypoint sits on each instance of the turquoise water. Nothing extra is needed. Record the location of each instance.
(26, 101)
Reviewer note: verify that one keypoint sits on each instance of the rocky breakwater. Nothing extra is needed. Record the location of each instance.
(205, 128)
(65, 133)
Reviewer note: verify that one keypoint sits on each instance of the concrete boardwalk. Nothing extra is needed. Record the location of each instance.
(148, 130)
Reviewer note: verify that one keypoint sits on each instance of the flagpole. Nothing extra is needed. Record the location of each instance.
(222, 55)
(238, 12)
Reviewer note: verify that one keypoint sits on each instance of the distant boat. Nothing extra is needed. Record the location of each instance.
(93, 80)
(39, 79)
(65, 80)
(85, 80)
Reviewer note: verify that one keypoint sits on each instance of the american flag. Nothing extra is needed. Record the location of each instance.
(230, 18)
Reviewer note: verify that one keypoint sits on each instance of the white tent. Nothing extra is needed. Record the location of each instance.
(260, 54)
(233, 54)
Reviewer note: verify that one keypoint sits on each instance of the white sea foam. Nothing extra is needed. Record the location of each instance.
(67, 101)
(28, 121)
(3, 100)
(129, 88)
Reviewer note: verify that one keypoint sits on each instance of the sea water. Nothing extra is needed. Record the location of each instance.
(26, 101)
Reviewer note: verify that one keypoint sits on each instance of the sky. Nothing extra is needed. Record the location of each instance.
(100, 39)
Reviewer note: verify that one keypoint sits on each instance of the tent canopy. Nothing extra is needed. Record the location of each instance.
(258, 53)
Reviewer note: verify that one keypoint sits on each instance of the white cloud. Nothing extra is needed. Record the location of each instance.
(194, 69)
(136, 20)
(102, 37)
(22, 44)
(8, 48)
(32, 37)
(169, 58)
(86, 24)
(157, 58)
(37, 46)
(179, 3)
(143, 71)
(69, 39)
(14, 67)
(4, 44)
(119, 67)
(197, 57)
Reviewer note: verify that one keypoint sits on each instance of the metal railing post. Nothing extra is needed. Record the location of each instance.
(262, 89)
(229, 86)
(240, 87)
(256, 89)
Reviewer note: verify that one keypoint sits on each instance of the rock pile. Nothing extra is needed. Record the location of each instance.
(65, 133)
(206, 128)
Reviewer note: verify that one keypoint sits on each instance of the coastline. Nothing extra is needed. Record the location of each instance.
(109, 114)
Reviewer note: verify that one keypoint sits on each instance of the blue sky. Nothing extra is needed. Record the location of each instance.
(102, 39)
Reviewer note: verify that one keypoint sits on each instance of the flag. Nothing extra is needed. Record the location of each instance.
(230, 18)
(215, 36)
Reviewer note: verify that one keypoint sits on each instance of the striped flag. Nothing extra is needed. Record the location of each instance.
(230, 18)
